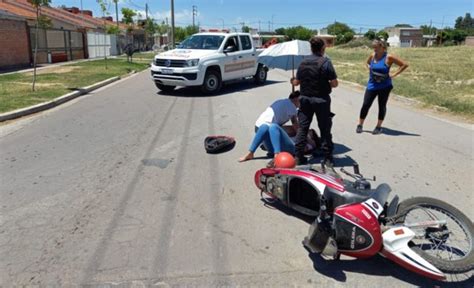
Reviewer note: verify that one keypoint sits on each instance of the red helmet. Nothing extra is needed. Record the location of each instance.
(285, 160)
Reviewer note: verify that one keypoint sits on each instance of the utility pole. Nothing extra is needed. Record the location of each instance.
(116, 12)
(194, 14)
(259, 26)
(273, 15)
(172, 24)
(269, 26)
(146, 11)
(82, 14)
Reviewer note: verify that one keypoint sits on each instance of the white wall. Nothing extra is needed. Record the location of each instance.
(101, 44)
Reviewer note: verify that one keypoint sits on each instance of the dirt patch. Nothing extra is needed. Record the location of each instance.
(345, 64)
(456, 82)
(55, 70)
(39, 84)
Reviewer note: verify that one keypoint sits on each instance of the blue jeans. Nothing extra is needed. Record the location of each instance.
(275, 139)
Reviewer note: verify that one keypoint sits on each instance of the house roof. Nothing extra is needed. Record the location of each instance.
(10, 16)
(12, 9)
(24, 9)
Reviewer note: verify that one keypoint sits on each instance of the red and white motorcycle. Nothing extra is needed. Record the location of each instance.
(424, 235)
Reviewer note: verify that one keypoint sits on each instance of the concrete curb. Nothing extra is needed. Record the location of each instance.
(60, 100)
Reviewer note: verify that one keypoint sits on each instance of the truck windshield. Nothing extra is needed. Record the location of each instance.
(206, 42)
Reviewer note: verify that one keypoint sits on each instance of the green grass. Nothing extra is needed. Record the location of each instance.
(142, 57)
(436, 76)
(15, 89)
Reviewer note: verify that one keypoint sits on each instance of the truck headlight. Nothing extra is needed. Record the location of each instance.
(192, 62)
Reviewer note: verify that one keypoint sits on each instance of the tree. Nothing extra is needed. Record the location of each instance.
(127, 18)
(382, 34)
(370, 35)
(103, 8)
(404, 25)
(150, 26)
(245, 29)
(458, 36)
(37, 4)
(342, 32)
(179, 34)
(428, 30)
(465, 23)
(190, 30)
(298, 33)
(280, 31)
(162, 28)
(112, 29)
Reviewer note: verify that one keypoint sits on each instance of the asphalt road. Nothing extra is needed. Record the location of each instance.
(116, 189)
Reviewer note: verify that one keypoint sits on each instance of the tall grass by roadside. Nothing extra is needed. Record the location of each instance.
(15, 89)
(436, 76)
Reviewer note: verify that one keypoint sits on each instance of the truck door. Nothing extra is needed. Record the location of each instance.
(233, 59)
(249, 56)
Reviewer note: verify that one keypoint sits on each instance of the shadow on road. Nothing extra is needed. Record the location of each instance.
(339, 149)
(392, 132)
(378, 266)
(227, 88)
(277, 205)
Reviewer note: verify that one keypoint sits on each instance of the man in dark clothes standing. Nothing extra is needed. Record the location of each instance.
(317, 78)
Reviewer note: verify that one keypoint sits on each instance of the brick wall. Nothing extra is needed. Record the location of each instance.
(14, 47)
(469, 41)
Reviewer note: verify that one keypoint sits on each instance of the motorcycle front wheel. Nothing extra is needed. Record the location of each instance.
(448, 247)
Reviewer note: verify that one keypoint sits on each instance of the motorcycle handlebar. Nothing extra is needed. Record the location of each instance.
(356, 175)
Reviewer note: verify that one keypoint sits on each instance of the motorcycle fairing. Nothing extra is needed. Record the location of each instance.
(320, 178)
(395, 242)
(357, 227)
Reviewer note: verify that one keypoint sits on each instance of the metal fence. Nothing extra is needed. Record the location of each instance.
(56, 45)
(98, 44)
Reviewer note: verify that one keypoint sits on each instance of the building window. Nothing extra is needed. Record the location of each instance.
(405, 33)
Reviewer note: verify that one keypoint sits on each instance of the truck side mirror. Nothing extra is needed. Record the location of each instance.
(229, 49)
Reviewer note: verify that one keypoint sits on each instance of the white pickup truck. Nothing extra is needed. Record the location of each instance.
(207, 60)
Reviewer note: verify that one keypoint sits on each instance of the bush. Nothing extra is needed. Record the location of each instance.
(357, 42)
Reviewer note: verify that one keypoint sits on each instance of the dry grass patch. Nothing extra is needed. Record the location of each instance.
(436, 76)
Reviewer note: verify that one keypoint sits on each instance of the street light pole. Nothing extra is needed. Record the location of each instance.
(194, 14)
(273, 15)
(222, 23)
(172, 24)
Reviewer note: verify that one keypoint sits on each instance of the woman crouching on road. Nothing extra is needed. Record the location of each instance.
(380, 82)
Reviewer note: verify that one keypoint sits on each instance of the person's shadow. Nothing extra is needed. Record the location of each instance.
(380, 266)
(392, 132)
(339, 149)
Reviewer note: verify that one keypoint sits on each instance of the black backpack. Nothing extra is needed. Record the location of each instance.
(218, 144)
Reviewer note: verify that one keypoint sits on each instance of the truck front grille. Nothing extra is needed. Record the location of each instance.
(170, 63)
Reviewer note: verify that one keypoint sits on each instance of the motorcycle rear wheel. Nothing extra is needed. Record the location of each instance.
(449, 248)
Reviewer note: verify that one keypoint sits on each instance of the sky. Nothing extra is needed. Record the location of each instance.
(266, 15)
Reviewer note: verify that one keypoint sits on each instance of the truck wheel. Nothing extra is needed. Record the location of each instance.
(261, 75)
(164, 88)
(212, 82)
